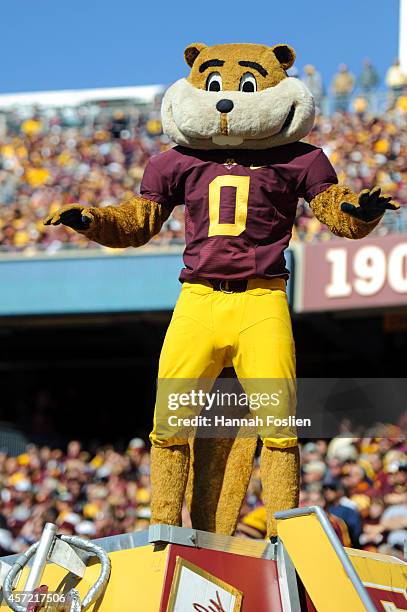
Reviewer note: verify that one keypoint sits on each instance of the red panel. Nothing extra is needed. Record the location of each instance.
(380, 597)
(255, 578)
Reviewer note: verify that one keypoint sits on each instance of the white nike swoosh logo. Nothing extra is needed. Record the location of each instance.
(256, 167)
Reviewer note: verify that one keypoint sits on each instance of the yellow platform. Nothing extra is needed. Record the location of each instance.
(251, 575)
(336, 578)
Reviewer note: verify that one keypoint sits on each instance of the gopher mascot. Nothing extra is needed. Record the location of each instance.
(239, 167)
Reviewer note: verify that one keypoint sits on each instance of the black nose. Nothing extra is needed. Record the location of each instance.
(224, 106)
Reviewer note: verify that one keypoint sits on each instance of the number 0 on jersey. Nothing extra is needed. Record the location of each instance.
(241, 183)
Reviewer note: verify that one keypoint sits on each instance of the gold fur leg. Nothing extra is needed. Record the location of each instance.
(169, 473)
(190, 481)
(206, 473)
(236, 478)
(214, 492)
(280, 476)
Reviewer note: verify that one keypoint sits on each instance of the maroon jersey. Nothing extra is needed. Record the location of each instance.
(240, 205)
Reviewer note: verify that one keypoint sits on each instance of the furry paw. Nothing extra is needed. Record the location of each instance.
(75, 216)
(371, 205)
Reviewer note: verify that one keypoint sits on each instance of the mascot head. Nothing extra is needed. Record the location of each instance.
(237, 96)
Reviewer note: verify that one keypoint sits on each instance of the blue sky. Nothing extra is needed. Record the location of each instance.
(99, 43)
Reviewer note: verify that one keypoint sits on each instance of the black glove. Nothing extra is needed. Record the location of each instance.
(77, 217)
(371, 205)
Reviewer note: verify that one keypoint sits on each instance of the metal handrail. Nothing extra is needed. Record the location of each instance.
(97, 589)
(38, 566)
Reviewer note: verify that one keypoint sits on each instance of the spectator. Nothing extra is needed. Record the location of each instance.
(338, 505)
(372, 533)
(313, 81)
(355, 479)
(368, 82)
(119, 125)
(6, 537)
(396, 81)
(342, 87)
(368, 79)
(339, 526)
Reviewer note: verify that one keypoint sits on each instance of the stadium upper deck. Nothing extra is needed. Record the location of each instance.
(91, 146)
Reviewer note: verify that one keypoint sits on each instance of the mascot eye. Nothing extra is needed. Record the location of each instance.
(248, 82)
(214, 82)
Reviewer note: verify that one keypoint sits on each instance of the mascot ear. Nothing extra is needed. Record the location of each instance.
(192, 52)
(285, 55)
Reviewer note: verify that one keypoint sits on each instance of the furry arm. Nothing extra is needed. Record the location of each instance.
(348, 214)
(132, 223)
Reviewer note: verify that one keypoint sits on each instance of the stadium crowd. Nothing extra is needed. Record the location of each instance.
(54, 159)
(360, 482)
(51, 158)
(364, 152)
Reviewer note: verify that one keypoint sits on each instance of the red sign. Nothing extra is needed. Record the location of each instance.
(386, 599)
(345, 274)
(257, 579)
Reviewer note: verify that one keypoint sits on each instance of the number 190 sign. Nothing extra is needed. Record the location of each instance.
(345, 274)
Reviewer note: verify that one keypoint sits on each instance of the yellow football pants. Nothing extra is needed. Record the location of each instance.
(210, 330)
